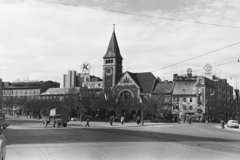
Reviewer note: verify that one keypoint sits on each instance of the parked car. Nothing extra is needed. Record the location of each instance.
(233, 124)
(3, 123)
(73, 119)
(3, 146)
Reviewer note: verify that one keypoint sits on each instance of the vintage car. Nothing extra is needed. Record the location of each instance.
(233, 124)
(57, 117)
(3, 123)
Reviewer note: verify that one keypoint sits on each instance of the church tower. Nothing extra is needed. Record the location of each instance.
(112, 64)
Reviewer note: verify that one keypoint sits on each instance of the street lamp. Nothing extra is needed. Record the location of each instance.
(106, 98)
(236, 91)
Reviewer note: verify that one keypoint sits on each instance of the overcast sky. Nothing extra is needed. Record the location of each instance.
(43, 40)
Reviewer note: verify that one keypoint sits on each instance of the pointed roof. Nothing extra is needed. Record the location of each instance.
(113, 49)
(145, 80)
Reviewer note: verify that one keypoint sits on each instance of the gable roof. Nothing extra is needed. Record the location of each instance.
(113, 49)
(145, 80)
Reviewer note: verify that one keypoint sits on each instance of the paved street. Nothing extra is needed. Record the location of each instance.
(28, 139)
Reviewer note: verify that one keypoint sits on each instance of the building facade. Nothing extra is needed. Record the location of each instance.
(163, 94)
(22, 89)
(69, 80)
(74, 79)
(225, 101)
(194, 96)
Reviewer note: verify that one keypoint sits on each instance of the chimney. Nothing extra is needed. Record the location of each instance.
(175, 76)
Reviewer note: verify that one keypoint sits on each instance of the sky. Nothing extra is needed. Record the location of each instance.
(43, 39)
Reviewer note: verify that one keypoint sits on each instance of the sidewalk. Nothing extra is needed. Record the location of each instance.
(113, 151)
(93, 124)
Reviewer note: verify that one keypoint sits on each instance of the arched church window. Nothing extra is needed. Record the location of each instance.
(126, 97)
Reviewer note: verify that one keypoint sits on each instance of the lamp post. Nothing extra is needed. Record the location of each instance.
(141, 107)
(236, 91)
(106, 98)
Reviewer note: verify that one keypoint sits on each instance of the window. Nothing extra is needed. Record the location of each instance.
(108, 61)
(126, 97)
(200, 80)
(190, 107)
(184, 107)
(177, 99)
(184, 99)
(174, 99)
(190, 99)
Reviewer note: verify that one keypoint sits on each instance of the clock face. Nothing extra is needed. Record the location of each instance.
(108, 71)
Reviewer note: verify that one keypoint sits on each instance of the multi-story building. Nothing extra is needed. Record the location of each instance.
(195, 96)
(163, 94)
(225, 105)
(29, 90)
(74, 79)
(69, 80)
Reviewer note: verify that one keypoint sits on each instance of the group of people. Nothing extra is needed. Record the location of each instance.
(111, 121)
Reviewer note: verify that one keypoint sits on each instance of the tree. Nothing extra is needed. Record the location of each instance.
(9, 102)
(71, 99)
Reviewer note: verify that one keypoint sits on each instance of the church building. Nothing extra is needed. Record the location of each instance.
(127, 88)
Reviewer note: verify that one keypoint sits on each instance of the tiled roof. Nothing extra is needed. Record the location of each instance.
(164, 87)
(57, 91)
(145, 80)
(113, 49)
(184, 88)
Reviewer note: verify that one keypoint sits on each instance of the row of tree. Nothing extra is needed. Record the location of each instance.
(90, 105)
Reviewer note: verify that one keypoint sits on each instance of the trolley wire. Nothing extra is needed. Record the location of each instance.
(143, 15)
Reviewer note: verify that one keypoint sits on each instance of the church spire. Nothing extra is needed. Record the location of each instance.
(113, 49)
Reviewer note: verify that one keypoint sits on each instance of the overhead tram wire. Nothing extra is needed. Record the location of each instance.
(143, 15)
(197, 56)
(213, 66)
(218, 65)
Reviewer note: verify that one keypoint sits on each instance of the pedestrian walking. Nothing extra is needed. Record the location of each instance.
(222, 124)
(138, 120)
(122, 120)
(190, 120)
(87, 122)
(185, 118)
(179, 120)
(111, 120)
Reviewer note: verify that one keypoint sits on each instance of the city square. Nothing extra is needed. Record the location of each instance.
(28, 139)
(122, 79)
